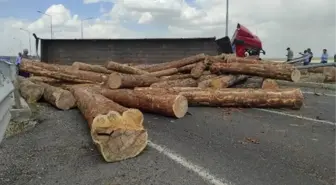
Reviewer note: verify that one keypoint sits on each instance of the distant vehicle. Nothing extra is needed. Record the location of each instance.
(242, 40)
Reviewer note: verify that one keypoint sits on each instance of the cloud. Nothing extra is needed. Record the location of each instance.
(279, 23)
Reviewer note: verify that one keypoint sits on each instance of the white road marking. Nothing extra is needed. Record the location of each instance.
(297, 116)
(322, 94)
(203, 173)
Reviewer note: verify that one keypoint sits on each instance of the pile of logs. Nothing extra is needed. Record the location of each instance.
(112, 96)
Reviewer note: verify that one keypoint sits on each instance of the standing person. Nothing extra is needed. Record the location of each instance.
(307, 57)
(17, 63)
(289, 55)
(25, 53)
(324, 57)
(335, 58)
(311, 54)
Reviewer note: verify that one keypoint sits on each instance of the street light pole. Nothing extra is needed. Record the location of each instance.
(29, 35)
(227, 19)
(51, 28)
(82, 25)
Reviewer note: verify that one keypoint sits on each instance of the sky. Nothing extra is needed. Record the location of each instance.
(298, 24)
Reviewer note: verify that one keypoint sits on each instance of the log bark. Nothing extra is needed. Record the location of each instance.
(319, 69)
(58, 97)
(280, 71)
(330, 74)
(117, 131)
(199, 68)
(207, 82)
(269, 84)
(63, 73)
(165, 72)
(226, 81)
(124, 68)
(44, 79)
(177, 63)
(92, 68)
(188, 82)
(167, 105)
(206, 77)
(118, 80)
(232, 97)
(186, 69)
(30, 91)
(175, 77)
(234, 59)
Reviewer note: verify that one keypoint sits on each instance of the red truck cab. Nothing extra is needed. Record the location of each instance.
(243, 40)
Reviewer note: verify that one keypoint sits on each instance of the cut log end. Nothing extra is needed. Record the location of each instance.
(114, 81)
(65, 100)
(119, 137)
(296, 75)
(180, 106)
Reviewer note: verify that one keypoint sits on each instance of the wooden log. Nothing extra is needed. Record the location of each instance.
(30, 91)
(199, 68)
(167, 105)
(124, 68)
(89, 67)
(43, 65)
(281, 71)
(175, 77)
(330, 74)
(188, 82)
(177, 63)
(226, 81)
(44, 79)
(234, 59)
(233, 97)
(186, 69)
(117, 131)
(118, 80)
(207, 83)
(63, 73)
(58, 97)
(269, 84)
(206, 77)
(165, 72)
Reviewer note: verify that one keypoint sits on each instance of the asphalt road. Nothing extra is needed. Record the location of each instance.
(208, 146)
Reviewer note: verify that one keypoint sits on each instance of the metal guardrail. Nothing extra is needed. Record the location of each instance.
(8, 93)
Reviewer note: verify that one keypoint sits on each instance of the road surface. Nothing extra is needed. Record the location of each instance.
(209, 146)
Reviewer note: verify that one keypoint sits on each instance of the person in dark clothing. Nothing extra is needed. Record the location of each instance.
(335, 58)
(307, 57)
(18, 62)
(311, 54)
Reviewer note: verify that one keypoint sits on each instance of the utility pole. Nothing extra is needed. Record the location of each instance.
(51, 25)
(29, 35)
(227, 19)
(82, 34)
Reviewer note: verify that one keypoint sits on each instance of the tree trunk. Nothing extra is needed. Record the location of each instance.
(167, 105)
(124, 68)
(60, 98)
(226, 81)
(319, 69)
(165, 72)
(232, 97)
(118, 132)
(44, 79)
(63, 73)
(188, 82)
(30, 91)
(206, 77)
(207, 83)
(118, 80)
(175, 77)
(198, 70)
(186, 69)
(269, 84)
(280, 71)
(177, 63)
(330, 74)
(43, 65)
(234, 59)
(89, 67)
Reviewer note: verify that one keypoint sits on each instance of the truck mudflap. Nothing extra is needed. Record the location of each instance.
(224, 45)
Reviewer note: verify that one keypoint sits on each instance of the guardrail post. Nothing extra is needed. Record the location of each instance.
(17, 97)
